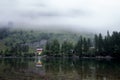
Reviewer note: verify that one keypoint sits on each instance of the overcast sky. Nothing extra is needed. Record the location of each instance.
(94, 15)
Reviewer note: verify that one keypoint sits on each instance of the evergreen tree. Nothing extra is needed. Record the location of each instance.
(47, 49)
(85, 47)
(78, 47)
(67, 48)
(55, 47)
(115, 44)
(100, 43)
(107, 44)
(96, 43)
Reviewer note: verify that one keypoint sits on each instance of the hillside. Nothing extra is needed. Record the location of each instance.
(10, 38)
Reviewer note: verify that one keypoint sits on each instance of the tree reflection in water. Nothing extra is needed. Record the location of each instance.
(58, 69)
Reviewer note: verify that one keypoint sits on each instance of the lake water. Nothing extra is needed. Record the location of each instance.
(59, 69)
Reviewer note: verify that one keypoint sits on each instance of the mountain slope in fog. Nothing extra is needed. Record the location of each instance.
(36, 38)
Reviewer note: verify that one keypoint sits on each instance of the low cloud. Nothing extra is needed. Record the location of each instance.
(91, 15)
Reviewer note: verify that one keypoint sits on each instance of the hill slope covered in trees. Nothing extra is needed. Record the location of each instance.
(22, 42)
(16, 42)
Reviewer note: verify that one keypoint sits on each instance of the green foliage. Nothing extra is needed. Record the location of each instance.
(14, 41)
(109, 45)
(17, 43)
(82, 48)
(66, 48)
(78, 47)
(55, 47)
(52, 48)
(47, 50)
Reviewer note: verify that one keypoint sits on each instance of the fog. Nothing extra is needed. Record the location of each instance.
(74, 15)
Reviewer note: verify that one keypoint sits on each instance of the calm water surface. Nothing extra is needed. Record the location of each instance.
(59, 69)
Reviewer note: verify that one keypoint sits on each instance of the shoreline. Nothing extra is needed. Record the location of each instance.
(74, 57)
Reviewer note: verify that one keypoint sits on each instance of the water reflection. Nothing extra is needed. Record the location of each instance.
(59, 69)
(38, 62)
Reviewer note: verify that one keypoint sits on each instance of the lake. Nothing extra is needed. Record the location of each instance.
(59, 69)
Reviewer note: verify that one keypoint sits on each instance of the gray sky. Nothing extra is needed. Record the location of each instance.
(94, 15)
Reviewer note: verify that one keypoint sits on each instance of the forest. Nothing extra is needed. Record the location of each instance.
(104, 46)
(20, 43)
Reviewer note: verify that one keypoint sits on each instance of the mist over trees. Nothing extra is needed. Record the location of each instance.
(14, 41)
(20, 43)
(108, 45)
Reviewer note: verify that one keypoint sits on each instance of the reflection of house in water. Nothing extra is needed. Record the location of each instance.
(39, 63)
(38, 67)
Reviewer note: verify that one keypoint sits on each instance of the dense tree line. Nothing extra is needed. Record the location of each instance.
(13, 43)
(16, 51)
(108, 45)
(67, 48)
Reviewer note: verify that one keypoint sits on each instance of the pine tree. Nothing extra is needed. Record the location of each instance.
(55, 47)
(47, 50)
(67, 48)
(78, 47)
(96, 43)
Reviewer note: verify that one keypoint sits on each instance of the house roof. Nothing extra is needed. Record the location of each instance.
(39, 49)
